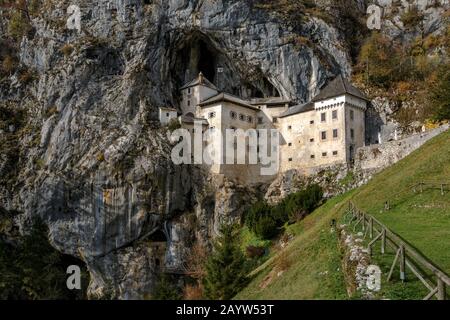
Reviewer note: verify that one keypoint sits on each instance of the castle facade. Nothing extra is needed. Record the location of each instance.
(325, 131)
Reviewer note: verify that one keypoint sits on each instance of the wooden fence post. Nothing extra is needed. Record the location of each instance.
(363, 221)
(442, 189)
(421, 187)
(441, 289)
(383, 241)
(402, 263)
(371, 228)
(394, 263)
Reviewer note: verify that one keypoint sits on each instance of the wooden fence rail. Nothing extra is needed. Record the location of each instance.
(406, 256)
(416, 188)
(422, 185)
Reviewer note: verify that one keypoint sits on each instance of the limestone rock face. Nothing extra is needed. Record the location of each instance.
(393, 24)
(332, 180)
(87, 154)
(94, 163)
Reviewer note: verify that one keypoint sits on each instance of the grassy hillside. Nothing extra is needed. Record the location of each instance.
(310, 267)
(422, 219)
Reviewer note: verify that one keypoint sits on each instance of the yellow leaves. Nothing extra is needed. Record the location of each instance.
(18, 25)
(431, 124)
(66, 49)
(100, 157)
(9, 64)
(403, 86)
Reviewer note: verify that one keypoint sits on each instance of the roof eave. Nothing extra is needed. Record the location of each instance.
(342, 94)
(293, 114)
(197, 84)
(231, 101)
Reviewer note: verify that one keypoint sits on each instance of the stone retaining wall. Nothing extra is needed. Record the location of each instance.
(374, 158)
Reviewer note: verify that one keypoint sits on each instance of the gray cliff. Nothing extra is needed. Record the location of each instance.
(89, 156)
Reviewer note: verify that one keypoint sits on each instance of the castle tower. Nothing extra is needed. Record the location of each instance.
(195, 92)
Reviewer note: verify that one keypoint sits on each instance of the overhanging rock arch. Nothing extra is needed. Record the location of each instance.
(197, 51)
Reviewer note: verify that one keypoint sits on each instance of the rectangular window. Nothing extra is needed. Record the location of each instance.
(290, 159)
(189, 102)
(334, 115)
(167, 114)
(249, 119)
(233, 115)
(335, 153)
(324, 154)
(335, 133)
(352, 115)
(211, 115)
(289, 127)
(323, 135)
(241, 117)
(260, 120)
(290, 144)
(189, 90)
(313, 156)
(352, 133)
(311, 122)
(311, 140)
(323, 117)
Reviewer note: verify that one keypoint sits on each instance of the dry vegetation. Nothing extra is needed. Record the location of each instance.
(405, 73)
(196, 261)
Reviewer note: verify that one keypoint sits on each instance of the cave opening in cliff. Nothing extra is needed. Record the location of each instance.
(264, 88)
(195, 56)
(197, 52)
(158, 236)
(206, 61)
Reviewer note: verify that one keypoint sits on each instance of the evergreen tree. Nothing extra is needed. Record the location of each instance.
(226, 267)
(440, 95)
(42, 272)
(166, 290)
(255, 213)
(30, 268)
(10, 282)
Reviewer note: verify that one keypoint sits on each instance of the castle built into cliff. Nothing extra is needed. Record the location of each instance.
(323, 132)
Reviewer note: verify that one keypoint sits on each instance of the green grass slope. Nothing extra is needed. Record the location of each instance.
(310, 266)
(422, 219)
